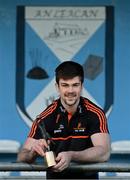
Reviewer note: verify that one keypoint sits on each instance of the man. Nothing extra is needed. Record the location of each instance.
(76, 125)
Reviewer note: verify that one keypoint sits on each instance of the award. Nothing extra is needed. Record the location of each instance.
(50, 158)
(49, 155)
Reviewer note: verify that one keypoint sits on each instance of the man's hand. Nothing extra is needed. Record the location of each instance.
(31, 149)
(63, 160)
(39, 146)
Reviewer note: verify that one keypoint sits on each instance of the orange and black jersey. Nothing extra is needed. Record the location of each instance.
(70, 132)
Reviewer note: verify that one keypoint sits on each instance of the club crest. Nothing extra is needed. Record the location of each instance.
(47, 36)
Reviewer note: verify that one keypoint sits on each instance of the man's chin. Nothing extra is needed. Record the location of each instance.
(70, 103)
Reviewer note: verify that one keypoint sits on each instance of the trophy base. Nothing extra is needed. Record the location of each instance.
(50, 158)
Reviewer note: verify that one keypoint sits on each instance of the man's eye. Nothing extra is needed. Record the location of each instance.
(76, 85)
(64, 85)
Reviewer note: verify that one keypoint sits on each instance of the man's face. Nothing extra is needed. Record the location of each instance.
(70, 90)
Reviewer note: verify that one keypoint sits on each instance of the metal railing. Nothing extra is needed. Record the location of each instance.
(118, 163)
(96, 167)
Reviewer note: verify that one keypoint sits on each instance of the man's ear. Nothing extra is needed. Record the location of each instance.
(82, 86)
(57, 87)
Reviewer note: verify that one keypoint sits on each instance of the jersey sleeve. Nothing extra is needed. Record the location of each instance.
(35, 130)
(98, 122)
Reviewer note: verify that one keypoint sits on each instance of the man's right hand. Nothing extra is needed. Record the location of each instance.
(39, 146)
(31, 149)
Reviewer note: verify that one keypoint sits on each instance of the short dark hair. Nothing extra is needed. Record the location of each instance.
(69, 69)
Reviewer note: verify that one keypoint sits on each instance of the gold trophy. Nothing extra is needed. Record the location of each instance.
(50, 158)
(49, 155)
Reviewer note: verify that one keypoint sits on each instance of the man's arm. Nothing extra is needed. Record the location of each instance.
(100, 152)
(31, 149)
(26, 155)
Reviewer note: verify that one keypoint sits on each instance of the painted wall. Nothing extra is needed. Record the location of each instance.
(11, 124)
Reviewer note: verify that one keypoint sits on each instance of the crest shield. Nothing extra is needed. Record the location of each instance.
(47, 36)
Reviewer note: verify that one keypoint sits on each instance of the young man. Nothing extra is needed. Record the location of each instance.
(77, 127)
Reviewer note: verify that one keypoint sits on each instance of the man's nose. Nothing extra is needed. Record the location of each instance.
(70, 88)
